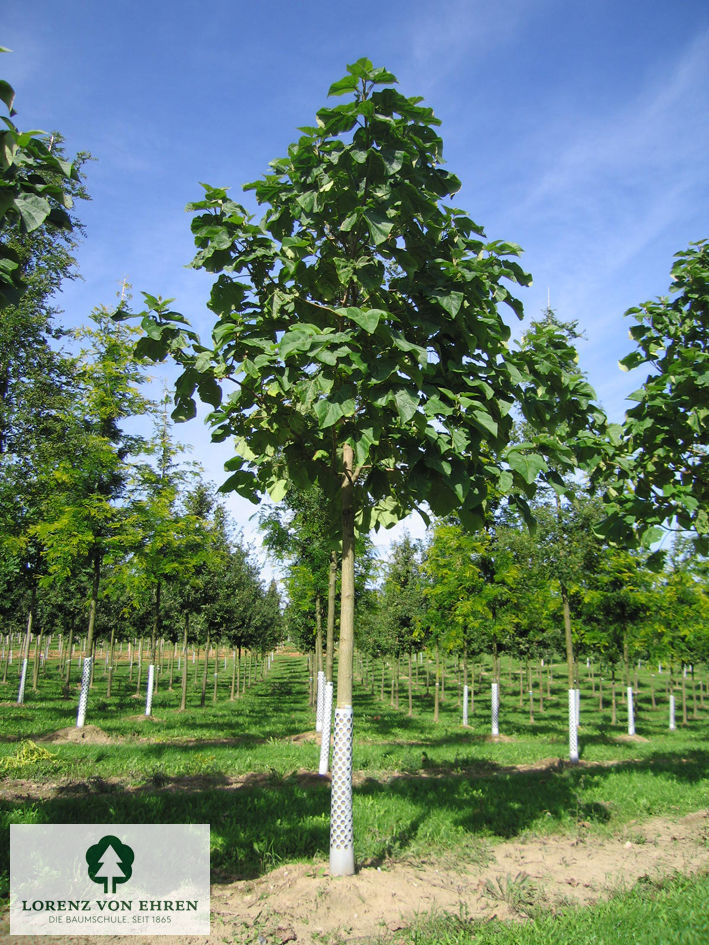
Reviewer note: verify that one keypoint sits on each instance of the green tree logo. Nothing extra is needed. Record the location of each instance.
(110, 862)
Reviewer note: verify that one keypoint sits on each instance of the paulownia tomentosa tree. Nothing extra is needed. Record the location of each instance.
(658, 474)
(358, 324)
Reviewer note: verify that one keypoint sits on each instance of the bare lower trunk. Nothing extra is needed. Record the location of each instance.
(318, 633)
(567, 635)
(411, 696)
(330, 626)
(37, 658)
(68, 656)
(437, 689)
(26, 652)
(110, 663)
(341, 825)
(140, 665)
(203, 694)
(173, 657)
(183, 694)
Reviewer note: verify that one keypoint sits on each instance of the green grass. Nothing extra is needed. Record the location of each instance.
(672, 912)
(418, 786)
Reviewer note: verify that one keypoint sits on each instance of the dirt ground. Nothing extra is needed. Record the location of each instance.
(301, 903)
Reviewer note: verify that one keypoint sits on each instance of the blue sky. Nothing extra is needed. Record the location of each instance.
(579, 131)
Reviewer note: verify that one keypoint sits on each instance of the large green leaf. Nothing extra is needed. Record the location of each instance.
(406, 404)
(365, 318)
(33, 209)
(528, 465)
(451, 301)
(295, 340)
(7, 94)
(328, 413)
(379, 225)
(347, 84)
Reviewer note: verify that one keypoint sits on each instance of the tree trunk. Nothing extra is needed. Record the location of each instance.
(140, 665)
(68, 656)
(411, 696)
(26, 651)
(472, 689)
(183, 695)
(567, 634)
(318, 633)
(330, 630)
(88, 661)
(173, 654)
(203, 695)
(573, 720)
(37, 657)
(437, 688)
(341, 827)
(110, 663)
(233, 676)
(495, 694)
(6, 659)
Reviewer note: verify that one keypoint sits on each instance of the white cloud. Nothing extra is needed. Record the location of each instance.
(444, 33)
(649, 145)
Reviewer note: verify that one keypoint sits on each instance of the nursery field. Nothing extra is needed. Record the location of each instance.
(459, 837)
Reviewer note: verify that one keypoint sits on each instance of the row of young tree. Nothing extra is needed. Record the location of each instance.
(502, 591)
(105, 533)
(358, 326)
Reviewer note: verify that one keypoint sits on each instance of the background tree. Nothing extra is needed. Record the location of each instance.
(83, 518)
(659, 474)
(618, 599)
(403, 607)
(303, 534)
(161, 546)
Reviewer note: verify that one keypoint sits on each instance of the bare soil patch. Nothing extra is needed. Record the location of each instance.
(89, 734)
(301, 903)
(301, 737)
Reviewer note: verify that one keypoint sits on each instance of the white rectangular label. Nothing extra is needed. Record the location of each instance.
(109, 879)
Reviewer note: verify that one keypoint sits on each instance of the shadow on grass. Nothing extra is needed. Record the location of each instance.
(261, 820)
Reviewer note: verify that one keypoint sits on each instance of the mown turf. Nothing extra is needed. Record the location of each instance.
(419, 787)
